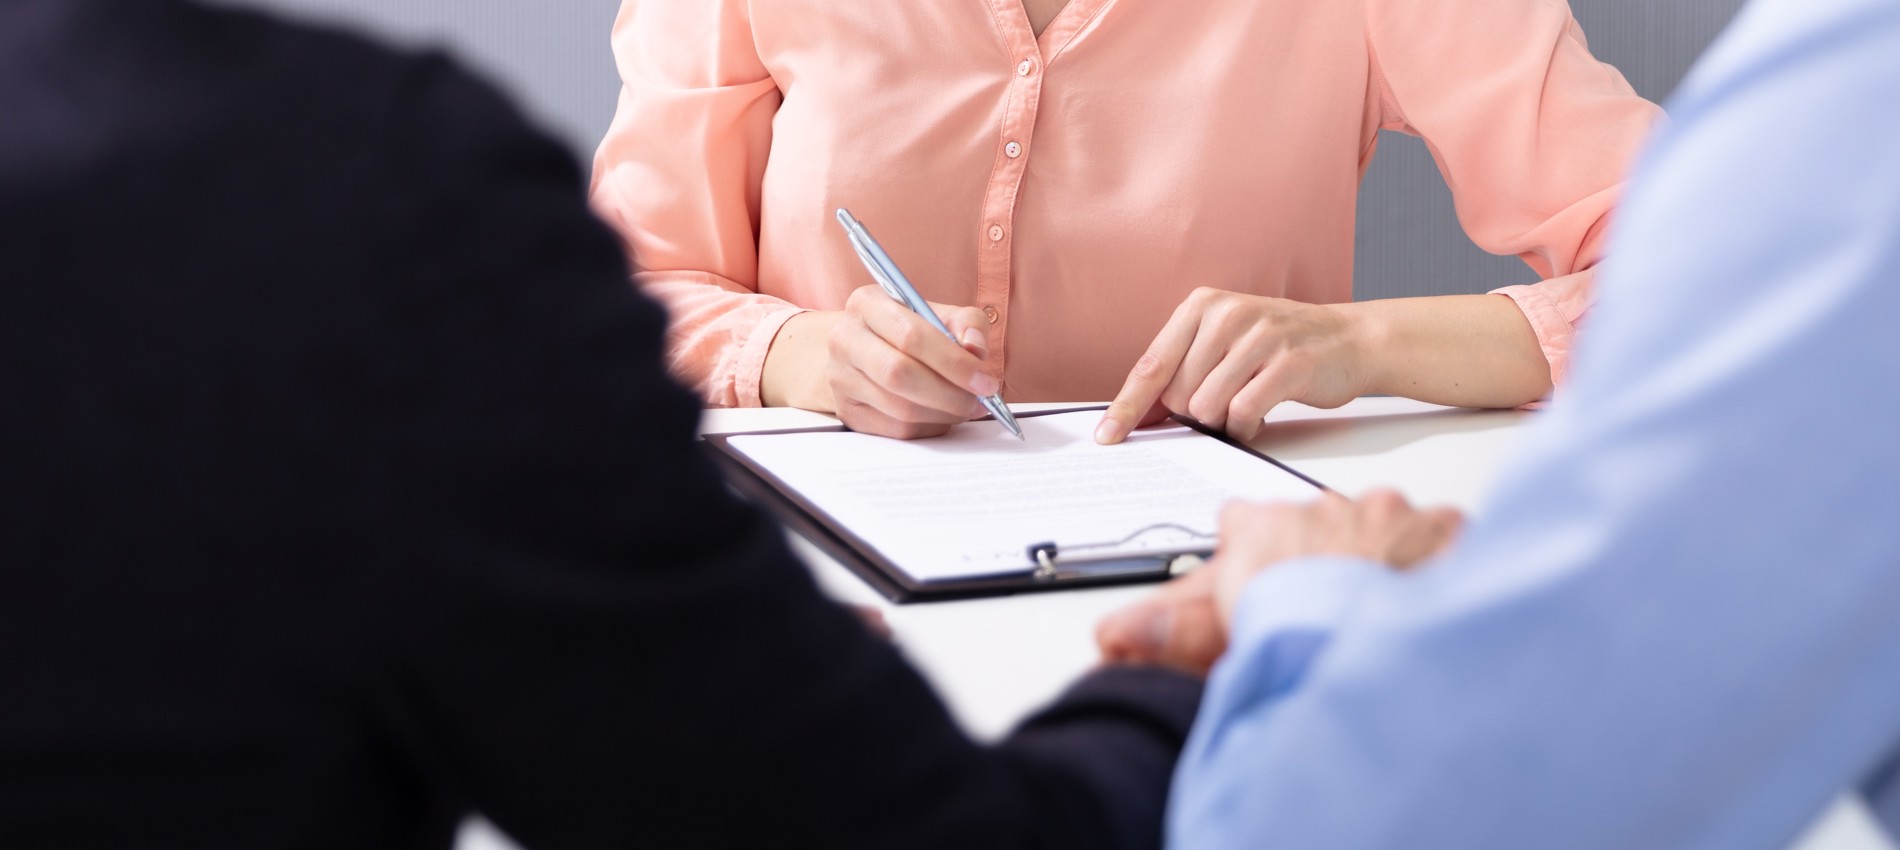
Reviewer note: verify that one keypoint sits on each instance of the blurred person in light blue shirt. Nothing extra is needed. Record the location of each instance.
(1677, 621)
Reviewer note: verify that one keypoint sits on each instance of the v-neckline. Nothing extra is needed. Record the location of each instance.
(1062, 28)
(1052, 18)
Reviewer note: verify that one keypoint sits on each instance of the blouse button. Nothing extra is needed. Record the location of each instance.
(996, 233)
(989, 312)
(1023, 69)
(1014, 150)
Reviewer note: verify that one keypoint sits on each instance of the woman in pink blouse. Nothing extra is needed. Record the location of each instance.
(1144, 199)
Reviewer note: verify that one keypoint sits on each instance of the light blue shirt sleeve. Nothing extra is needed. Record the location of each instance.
(1677, 621)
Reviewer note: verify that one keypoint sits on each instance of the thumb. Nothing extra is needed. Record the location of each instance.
(963, 322)
(968, 325)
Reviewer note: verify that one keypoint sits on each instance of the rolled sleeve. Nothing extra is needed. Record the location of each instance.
(718, 334)
(748, 369)
(1555, 309)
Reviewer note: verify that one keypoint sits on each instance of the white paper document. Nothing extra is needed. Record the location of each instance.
(969, 504)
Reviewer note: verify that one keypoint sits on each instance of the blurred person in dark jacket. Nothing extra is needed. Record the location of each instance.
(345, 494)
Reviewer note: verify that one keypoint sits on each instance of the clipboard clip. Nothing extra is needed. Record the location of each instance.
(1181, 555)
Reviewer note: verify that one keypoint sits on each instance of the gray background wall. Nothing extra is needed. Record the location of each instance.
(1409, 242)
(554, 58)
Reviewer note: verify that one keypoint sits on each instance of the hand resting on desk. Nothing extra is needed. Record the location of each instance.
(1226, 358)
(1185, 625)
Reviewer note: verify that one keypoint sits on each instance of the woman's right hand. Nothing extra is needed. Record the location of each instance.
(880, 367)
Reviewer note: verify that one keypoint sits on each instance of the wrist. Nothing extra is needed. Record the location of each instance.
(1366, 339)
(794, 372)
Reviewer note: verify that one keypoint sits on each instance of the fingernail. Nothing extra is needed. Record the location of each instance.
(1107, 432)
(974, 339)
(983, 384)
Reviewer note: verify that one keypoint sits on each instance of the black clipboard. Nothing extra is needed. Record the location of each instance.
(797, 513)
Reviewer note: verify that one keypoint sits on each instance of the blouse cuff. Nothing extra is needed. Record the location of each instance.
(748, 369)
(1555, 330)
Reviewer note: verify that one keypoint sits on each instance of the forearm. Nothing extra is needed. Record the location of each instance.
(1461, 350)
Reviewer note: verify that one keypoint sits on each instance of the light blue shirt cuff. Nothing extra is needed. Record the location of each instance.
(1309, 595)
(1284, 620)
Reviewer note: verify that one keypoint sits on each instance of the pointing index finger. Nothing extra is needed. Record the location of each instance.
(1150, 377)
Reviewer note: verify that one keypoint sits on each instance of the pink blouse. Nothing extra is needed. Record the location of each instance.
(1078, 186)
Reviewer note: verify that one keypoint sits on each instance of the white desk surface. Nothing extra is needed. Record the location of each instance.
(995, 660)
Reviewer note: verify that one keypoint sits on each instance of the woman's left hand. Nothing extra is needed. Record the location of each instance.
(1226, 359)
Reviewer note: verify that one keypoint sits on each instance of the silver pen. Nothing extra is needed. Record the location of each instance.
(898, 287)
